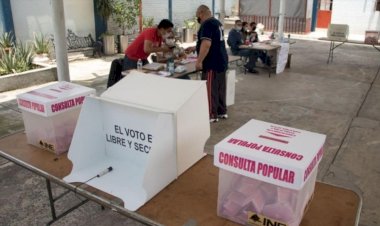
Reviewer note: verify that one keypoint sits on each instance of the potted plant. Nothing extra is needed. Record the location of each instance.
(104, 9)
(125, 14)
(190, 26)
(41, 46)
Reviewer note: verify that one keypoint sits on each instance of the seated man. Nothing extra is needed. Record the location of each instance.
(235, 40)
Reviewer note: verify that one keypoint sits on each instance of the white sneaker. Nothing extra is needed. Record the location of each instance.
(225, 116)
(214, 120)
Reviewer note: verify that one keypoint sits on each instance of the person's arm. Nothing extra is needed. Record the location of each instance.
(234, 40)
(203, 51)
(149, 48)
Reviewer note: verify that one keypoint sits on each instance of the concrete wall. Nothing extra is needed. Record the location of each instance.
(182, 9)
(157, 9)
(360, 15)
(30, 16)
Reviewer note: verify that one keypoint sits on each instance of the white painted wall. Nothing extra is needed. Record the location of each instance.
(157, 9)
(35, 16)
(182, 9)
(360, 15)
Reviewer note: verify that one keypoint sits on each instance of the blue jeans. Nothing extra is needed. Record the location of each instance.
(252, 56)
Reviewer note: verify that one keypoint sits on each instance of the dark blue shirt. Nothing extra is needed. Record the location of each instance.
(216, 59)
(235, 39)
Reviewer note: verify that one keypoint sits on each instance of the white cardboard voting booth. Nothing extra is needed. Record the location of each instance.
(338, 32)
(149, 129)
(267, 173)
(50, 114)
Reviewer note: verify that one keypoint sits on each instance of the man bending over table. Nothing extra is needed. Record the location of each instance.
(149, 41)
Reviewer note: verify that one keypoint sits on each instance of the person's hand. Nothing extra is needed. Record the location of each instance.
(166, 49)
(198, 66)
(190, 49)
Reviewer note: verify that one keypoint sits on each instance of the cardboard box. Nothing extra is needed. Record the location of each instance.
(50, 114)
(149, 129)
(267, 173)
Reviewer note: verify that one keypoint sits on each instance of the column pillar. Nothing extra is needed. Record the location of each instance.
(58, 14)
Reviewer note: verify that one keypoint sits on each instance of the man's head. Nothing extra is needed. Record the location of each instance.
(245, 25)
(253, 26)
(165, 28)
(203, 13)
(238, 25)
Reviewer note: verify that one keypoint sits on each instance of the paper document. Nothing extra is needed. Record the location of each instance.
(154, 66)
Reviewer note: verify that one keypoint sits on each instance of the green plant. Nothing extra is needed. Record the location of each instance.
(125, 13)
(24, 55)
(148, 22)
(7, 62)
(7, 40)
(42, 44)
(18, 60)
(190, 23)
(104, 9)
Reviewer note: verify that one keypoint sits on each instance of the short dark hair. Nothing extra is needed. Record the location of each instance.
(237, 21)
(244, 23)
(252, 24)
(165, 24)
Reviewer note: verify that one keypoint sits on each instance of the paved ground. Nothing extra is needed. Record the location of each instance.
(340, 99)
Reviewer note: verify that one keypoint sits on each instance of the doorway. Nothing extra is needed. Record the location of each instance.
(324, 13)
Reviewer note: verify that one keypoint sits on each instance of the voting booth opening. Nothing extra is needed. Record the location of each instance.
(50, 114)
(267, 173)
(149, 129)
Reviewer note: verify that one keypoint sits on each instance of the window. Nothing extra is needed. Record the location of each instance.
(377, 5)
(325, 5)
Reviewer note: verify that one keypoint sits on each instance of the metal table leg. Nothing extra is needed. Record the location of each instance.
(52, 200)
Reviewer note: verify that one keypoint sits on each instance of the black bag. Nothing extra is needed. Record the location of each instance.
(115, 72)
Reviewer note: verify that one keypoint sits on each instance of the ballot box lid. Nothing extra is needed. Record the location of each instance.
(153, 92)
(272, 153)
(54, 99)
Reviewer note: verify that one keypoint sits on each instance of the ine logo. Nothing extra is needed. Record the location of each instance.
(255, 219)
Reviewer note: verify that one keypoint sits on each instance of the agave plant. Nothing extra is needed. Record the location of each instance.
(24, 55)
(18, 60)
(7, 40)
(42, 44)
(8, 62)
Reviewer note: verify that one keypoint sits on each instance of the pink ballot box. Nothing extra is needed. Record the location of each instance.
(267, 173)
(50, 114)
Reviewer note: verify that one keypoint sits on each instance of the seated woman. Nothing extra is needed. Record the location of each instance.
(253, 37)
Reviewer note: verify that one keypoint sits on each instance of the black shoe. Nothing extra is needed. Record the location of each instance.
(253, 71)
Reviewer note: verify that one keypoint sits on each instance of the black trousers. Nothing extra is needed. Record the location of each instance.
(216, 92)
(115, 72)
